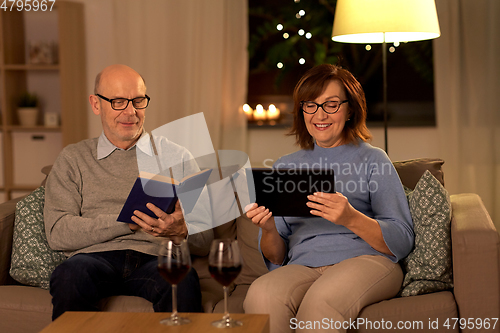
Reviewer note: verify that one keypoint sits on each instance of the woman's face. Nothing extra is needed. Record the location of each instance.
(326, 129)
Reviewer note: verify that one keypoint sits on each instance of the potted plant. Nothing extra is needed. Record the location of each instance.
(27, 109)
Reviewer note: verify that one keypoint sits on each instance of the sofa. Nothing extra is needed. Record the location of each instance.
(475, 258)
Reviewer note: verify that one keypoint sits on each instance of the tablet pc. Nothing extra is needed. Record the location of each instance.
(285, 191)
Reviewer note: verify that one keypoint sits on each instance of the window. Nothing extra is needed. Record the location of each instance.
(287, 37)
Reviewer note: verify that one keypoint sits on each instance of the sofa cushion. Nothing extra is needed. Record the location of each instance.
(253, 263)
(24, 309)
(32, 259)
(200, 264)
(428, 266)
(410, 171)
(423, 313)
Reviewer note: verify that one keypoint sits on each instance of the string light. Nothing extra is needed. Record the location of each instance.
(302, 61)
(279, 65)
(392, 49)
(302, 12)
(368, 47)
(309, 35)
(279, 27)
(301, 32)
(286, 35)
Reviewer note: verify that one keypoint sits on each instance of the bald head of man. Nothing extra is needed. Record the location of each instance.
(120, 100)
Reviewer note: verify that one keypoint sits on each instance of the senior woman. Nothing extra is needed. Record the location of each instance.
(326, 268)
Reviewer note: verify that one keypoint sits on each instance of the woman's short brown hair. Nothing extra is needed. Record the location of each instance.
(311, 85)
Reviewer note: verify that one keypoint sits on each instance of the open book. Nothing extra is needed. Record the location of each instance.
(163, 192)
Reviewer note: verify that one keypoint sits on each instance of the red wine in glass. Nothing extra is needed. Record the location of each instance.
(175, 273)
(225, 274)
(174, 262)
(224, 264)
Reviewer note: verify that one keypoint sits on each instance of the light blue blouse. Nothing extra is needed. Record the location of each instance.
(366, 176)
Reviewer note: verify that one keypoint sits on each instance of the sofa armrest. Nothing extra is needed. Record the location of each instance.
(476, 258)
(7, 211)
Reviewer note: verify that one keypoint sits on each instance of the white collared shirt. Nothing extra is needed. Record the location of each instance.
(106, 147)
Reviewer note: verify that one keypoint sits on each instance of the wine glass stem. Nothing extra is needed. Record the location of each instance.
(226, 313)
(174, 301)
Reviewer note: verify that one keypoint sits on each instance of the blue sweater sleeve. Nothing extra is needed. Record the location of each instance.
(390, 208)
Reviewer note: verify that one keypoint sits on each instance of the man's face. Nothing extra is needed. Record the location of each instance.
(122, 127)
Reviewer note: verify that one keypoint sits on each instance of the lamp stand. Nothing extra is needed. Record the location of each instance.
(384, 69)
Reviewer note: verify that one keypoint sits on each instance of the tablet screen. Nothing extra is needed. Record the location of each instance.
(285, 191)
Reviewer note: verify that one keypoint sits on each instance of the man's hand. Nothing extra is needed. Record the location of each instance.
(165, 225)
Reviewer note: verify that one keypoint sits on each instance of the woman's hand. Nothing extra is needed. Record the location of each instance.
(165, 225)
(260, 216)
(271, 243)
(332, 206)
(336, 208)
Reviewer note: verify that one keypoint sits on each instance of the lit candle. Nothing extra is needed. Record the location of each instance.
(248, 111)
(259, 113)
(273, 113)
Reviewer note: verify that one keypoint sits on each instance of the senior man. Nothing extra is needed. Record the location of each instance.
(85, 192)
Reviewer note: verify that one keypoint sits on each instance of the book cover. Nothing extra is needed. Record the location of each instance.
(163, 192)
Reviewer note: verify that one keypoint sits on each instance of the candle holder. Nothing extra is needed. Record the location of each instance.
(261, 116)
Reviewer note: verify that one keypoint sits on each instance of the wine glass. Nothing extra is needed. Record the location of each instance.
(174, 262)
(224, 264)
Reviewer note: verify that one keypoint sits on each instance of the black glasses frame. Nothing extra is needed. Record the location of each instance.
(128, 101)
(321, 106)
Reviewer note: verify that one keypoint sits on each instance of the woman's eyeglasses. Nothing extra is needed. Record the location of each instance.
(329, 107)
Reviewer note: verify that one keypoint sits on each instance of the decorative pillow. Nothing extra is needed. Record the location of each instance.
(32, 259)
(428, 268)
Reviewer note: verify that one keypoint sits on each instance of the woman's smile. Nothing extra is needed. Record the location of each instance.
(322, 126)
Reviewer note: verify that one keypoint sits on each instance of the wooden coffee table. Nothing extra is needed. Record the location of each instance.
(123, 322)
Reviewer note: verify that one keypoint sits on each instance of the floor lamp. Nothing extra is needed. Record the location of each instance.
(384, 21)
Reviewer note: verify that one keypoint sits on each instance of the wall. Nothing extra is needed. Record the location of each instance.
(100, 53)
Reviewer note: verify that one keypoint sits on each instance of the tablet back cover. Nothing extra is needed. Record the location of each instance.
(285, 191)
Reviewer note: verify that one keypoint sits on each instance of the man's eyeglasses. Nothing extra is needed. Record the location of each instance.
(329, 107)
(120, 104)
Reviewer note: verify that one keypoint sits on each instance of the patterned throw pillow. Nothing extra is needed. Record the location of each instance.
(428, 268)
(32, 259)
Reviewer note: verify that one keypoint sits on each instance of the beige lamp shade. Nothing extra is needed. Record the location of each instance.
(369, 21)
